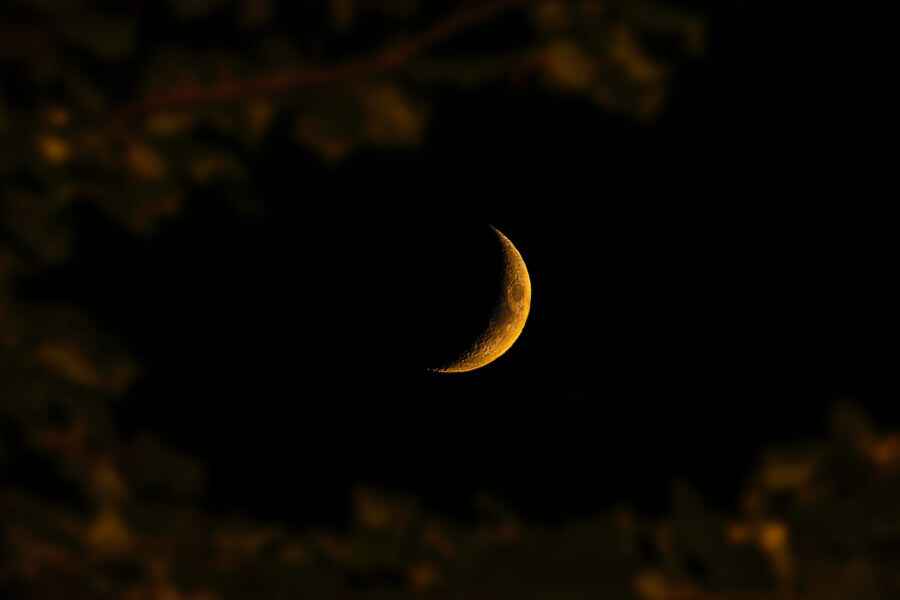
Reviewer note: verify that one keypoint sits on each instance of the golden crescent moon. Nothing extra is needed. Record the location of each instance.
(509, 316)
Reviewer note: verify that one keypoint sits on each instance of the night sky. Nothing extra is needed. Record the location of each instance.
(686, 312)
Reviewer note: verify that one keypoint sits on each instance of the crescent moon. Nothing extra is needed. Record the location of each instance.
(509, 316)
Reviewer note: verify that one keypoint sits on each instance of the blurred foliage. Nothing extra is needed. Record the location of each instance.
(128, 105)
(111, 518)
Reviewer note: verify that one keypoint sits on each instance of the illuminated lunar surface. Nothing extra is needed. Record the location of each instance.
(509, 316)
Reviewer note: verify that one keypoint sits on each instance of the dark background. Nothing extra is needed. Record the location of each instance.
(689, 308)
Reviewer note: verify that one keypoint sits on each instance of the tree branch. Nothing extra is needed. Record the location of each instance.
(287, 81)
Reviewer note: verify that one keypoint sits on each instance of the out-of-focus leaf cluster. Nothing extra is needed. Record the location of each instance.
(606, 50)
(115, 518)
(91, 93)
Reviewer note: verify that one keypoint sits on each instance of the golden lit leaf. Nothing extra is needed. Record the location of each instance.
(423, 576)
(787, 475)
(886, 451)
(145, 162)
(372, 512)
(391, 118)
(108, 534)
(68, 361)
(773, 537)
(259, 116)
(651, 585)
(166, 124)
(54, 149)
(57, 116)
(774, 541)
(107, 483)
(739, 533)
(567, 66)
(627, 52)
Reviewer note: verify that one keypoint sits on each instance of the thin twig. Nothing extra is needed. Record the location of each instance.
(287, 81)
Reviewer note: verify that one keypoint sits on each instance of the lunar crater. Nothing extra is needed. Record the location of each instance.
(510, 315)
